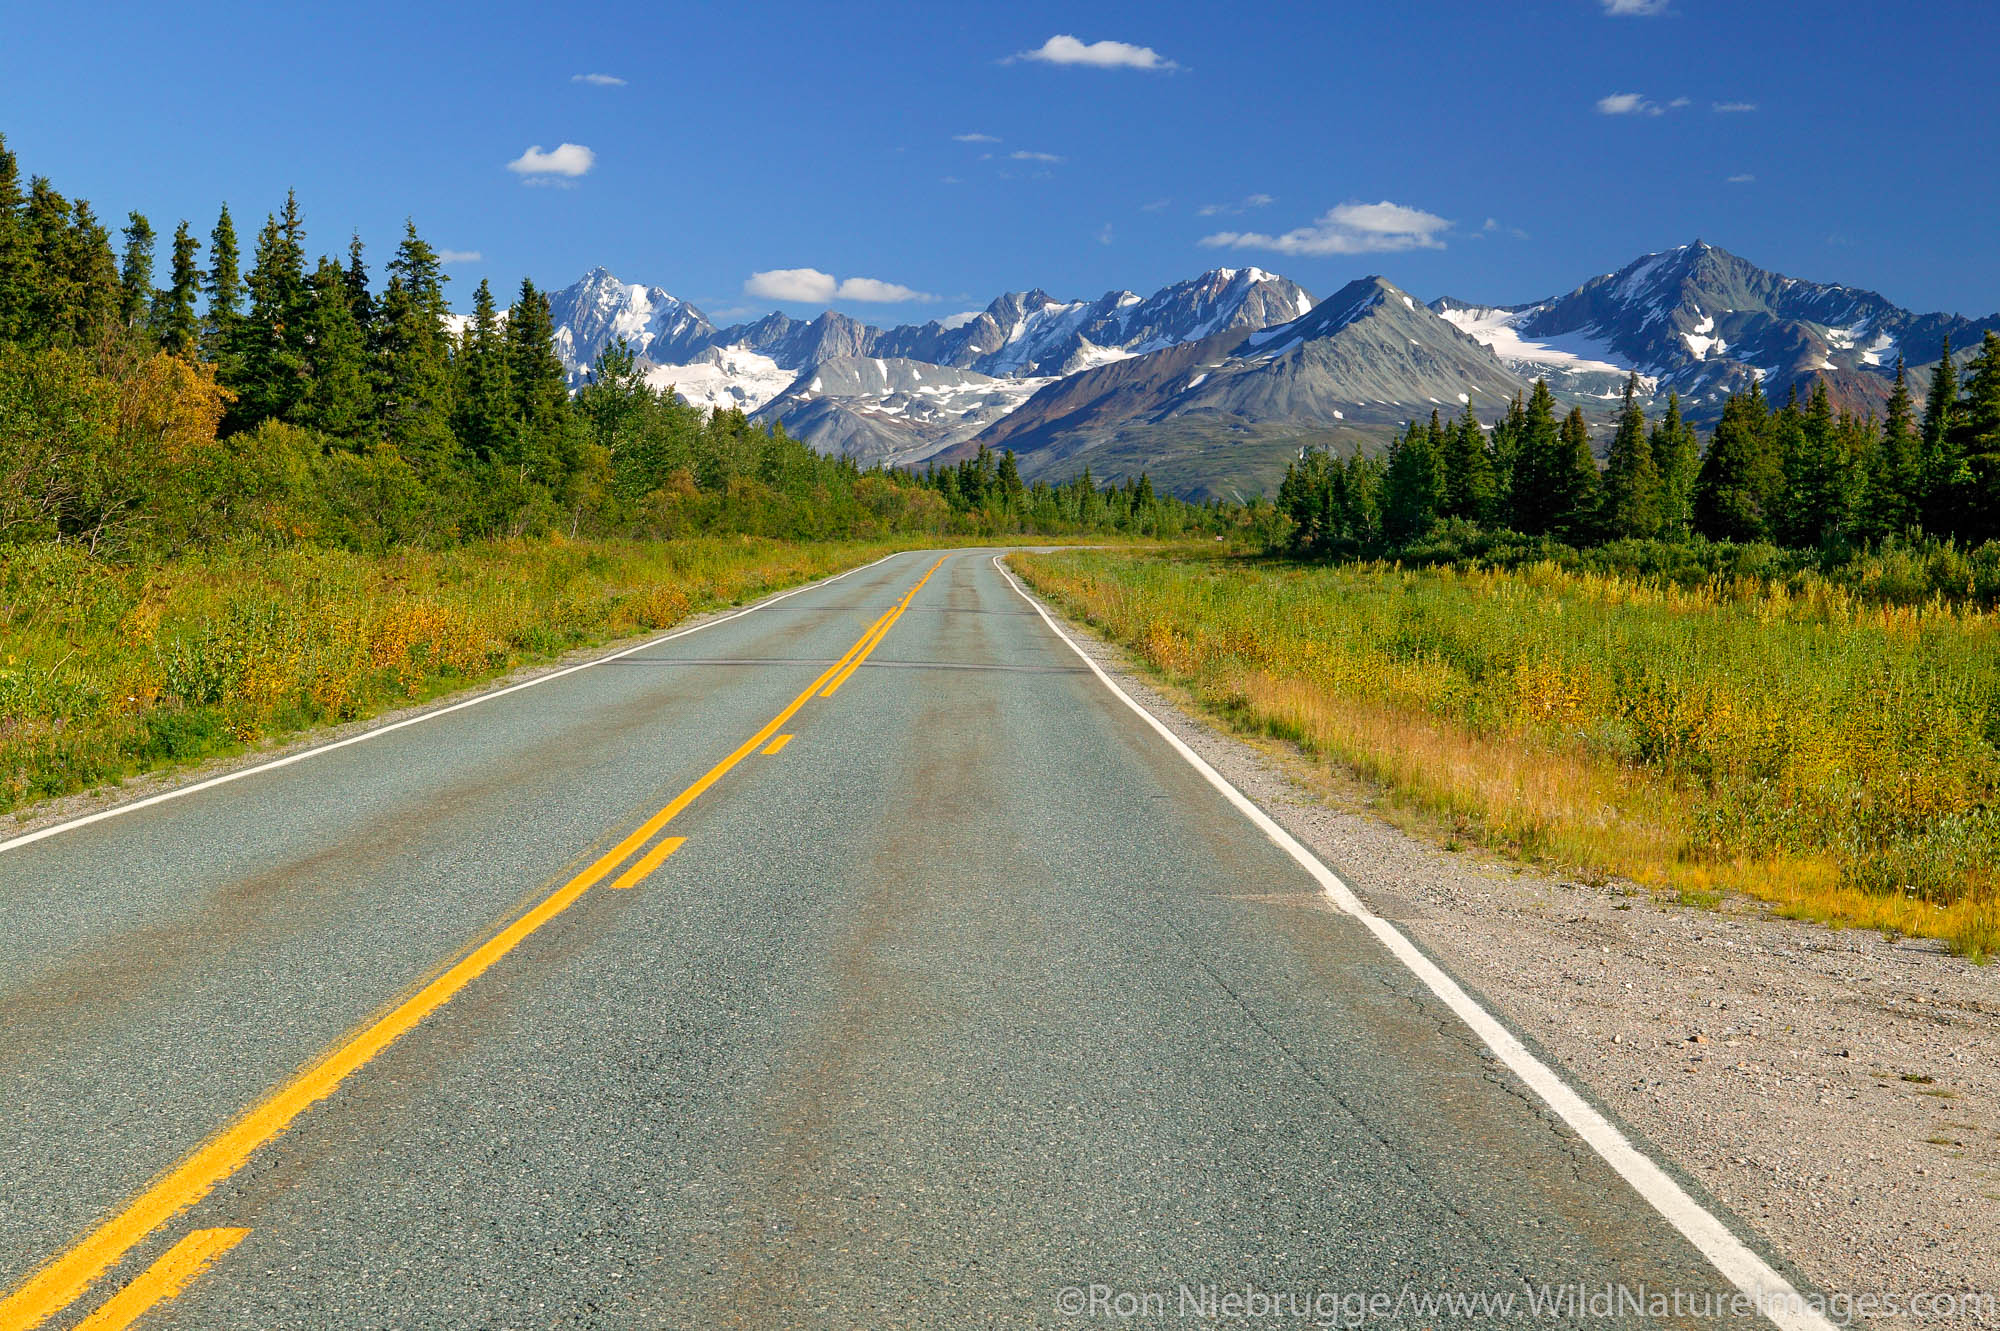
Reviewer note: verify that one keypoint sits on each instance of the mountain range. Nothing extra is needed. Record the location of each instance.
(1213, 383)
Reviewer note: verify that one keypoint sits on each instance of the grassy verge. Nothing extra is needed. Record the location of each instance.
(1831, 756)
(106, 671)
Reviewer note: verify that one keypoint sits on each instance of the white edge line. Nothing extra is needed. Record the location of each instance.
(1775, 1297)
(54, 829)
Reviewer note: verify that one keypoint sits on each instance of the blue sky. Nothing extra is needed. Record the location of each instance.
(1519, 147)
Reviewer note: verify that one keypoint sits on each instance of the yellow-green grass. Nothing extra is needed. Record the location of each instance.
(1829, 755)
(107, 670)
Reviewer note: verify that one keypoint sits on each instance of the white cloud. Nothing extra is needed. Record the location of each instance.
(1635, 8)
(1063, 49)
(976, 138)
(598, 80)
(1156, 206)
(1025, 156)
(565, 159)
(459, 256)
(1243, 205)
(961, 319)
(1732, 108)
(1492, 224)
(1104, 234)
(1677, 103)
(809, 286)
(1742, 178)
(950, 180)
(1628, 104)
(1352, 228)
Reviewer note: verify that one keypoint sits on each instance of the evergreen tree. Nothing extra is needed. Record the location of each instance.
(1010, 479)
(1410, 490)
(225, 297)
(94, 292)
(272, 361)
(1945, 477)
(1632, 499)
(17, 268)
(1677, 457)
(413, 374)
(486, 414)
(337, 398)
(1819, 473)
(1977, 428)
(173, 320)
(1739, 478)
(540, 392)
(1555, 481)
(1466, 472)
(360, 303)
(1889, 498)
(135, 272)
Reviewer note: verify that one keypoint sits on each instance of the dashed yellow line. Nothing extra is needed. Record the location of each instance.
(648, 862)
(777, 744)
(64, 1279)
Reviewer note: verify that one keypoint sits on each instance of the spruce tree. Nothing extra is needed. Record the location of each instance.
(1555, 484)
(135, 272)
(1466, 472)
(1977, 429)
(1581, 495)
(540, 387)
(95, 295)
(485, 420)
(1819, 474)
(1889, 497)
(1945, 477)
(272, 365)
(224, 286)
(1410, 487)
(1536, 452)
(174, 323)
(1739, 478)
(360, 303)
(1677, 456)
(45, 239)
(413, 373)
(337, 399)
(17, 266)
(1632, 507)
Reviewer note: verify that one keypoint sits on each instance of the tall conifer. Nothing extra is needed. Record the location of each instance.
(135, 271)
(1632, 506)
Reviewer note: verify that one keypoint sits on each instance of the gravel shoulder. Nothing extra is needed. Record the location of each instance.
(1838, 1091)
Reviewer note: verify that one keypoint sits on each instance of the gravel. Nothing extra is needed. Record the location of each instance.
(1837, 1090)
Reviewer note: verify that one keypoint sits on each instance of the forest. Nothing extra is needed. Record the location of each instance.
(152, 402)
(1804, 478)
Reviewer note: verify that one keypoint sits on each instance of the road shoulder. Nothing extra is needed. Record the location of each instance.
(1838, 1091)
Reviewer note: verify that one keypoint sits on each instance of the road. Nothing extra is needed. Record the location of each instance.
(601, 1003)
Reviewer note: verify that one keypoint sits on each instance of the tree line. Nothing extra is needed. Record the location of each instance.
(1803, 475)
(151, 402)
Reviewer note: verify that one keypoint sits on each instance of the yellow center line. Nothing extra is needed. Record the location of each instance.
(871, 643)
(777, 744)
(164, 1279)
(648, 862)
(64, 1279)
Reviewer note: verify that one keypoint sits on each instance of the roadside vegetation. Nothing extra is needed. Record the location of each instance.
(1793, 739)
(270, 493)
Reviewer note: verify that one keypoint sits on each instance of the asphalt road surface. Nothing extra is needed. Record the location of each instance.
(602, 1003)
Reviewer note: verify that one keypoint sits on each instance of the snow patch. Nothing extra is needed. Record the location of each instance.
(730, 378)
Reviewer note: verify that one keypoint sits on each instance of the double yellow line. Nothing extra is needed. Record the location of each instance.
(63, 1280)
